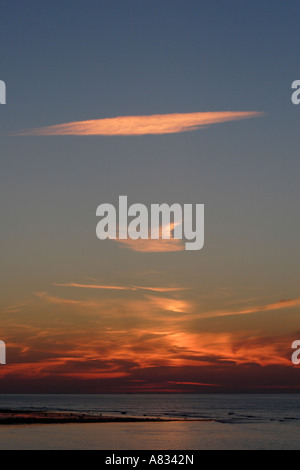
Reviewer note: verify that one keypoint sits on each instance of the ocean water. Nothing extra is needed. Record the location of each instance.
(220, 408)
(239, 422)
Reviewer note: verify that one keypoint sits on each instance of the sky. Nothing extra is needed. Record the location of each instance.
(165, 102)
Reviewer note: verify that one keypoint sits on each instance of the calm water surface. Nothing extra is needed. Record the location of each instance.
(240, 422)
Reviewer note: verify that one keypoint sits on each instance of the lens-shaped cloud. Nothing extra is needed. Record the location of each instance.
(142, 125)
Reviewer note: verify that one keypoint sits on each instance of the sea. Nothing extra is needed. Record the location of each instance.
(256, 421)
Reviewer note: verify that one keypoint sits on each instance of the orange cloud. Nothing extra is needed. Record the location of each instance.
(262, 308)
(172, 305)
(96, 286)
(194, 383)
(93, 286)
(163, 289)
(235, 348)
(165, 243)
(142, 125)
(55, 300)
(153, 246)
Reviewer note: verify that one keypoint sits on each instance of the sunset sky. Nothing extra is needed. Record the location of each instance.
(164, 101)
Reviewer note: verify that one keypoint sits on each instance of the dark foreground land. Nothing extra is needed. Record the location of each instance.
(42, 417)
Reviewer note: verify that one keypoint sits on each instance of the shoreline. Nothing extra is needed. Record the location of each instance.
(14, 417)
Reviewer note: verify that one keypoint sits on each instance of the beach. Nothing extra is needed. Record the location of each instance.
(151, 436)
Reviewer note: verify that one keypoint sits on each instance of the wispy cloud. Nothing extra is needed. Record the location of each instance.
(281, 304)
(108, 287)
(164, 289)
(152, 246)
(165, 243)
(93, 286)
(194, 383)
(172, 305)
(142, 125)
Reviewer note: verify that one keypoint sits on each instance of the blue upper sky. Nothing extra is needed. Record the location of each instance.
(73, 60)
